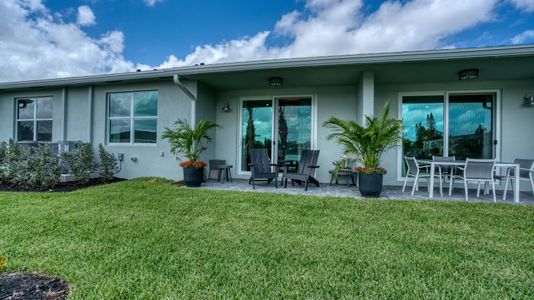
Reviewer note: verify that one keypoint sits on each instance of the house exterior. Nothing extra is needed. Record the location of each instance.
(462, 102)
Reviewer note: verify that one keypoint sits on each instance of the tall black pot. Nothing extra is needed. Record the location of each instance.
(193, 177)
(370, 184)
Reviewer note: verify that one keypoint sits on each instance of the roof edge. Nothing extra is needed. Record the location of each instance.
(366, 58)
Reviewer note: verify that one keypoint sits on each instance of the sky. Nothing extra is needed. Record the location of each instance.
(57, 38)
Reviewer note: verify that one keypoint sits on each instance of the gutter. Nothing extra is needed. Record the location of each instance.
(353, 59)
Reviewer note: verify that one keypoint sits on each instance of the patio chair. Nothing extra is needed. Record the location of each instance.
(414, 170)
(306, 170)
(261, 168)
(446, 170)
(526, 173)
(480, 171)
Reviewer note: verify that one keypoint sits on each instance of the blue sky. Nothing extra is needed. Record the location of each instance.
(53, 38)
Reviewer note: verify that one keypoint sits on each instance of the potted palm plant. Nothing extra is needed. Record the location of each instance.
(188, 141)
(367, 142)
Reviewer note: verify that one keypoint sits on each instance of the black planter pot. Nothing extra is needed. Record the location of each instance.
(193, 177)
(370, 184)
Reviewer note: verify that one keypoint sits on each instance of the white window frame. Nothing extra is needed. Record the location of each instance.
(446, 94)
(132, 118)
(274, 100)
(34, 119)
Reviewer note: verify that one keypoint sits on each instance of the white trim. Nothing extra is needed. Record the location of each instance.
(496, 121)
(273, 99)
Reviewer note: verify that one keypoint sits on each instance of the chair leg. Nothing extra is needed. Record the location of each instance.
(253, 183)
(493, 187)
(451, 184)
(285, 183)
(306, 185)
(466, 190)
(440, 183)
(505, 188)
(405, 182)
(478, 189)
(415, 183)
(276, 183)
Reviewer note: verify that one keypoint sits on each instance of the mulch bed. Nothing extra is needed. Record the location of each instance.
(16, 286)
(60, 187)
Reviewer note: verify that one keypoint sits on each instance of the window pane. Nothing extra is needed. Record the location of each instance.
(25, 108)
(146, 104)
(471, 126)
(44, 131)
(294, 128)
(256, 129)
(422, 122)
(145, 131)
(25, 131)
(120, 105)
(45, 108)
(119, 131)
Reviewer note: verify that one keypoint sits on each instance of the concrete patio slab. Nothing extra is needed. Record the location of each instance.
(341, 190)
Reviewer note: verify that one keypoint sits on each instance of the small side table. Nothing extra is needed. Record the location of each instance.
(350, 177)
(225, 173)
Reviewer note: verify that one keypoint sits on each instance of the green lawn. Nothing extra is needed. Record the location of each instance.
(149, 239)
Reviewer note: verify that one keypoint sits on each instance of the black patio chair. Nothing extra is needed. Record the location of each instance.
(306, 170)
(261, 167)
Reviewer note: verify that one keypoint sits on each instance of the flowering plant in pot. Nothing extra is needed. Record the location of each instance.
(189, 141)
(367, 142)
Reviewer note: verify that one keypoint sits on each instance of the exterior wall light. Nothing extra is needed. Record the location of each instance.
(528, 100)
(468, 74)
(276, 81)
(226, 107)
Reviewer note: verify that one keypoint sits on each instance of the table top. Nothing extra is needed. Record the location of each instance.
(461, 163)
(224, 166)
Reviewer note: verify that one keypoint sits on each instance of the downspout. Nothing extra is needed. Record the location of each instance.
(64, 114)
(177, 81)
(90, 99)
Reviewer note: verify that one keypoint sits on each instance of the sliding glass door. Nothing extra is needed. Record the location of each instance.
(281, 125)
(471, 126)
(454, 124)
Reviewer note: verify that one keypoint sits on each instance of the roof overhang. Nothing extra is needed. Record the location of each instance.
(362, 60)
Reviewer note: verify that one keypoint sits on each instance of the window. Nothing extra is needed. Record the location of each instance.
(133, 117)
(34, 119)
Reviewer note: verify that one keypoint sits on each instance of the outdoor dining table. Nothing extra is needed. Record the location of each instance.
(460, 163)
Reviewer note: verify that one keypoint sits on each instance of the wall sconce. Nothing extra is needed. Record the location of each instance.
(528, 100)
(226, 107)
(468, 74)
(276, 81)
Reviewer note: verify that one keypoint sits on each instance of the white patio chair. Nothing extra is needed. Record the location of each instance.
(414, 170)
(526, 173)
(480, 171)
(446, 170)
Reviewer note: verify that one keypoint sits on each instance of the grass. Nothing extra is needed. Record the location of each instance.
(148, 239)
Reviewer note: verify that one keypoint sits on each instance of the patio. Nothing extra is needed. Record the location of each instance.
(390, 192)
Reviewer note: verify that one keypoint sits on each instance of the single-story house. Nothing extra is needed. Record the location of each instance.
(463, 102)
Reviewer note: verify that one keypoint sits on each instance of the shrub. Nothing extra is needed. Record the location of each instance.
(81, 162)
(3, 163)
(44, 167)
(108, 164)
(30, 168)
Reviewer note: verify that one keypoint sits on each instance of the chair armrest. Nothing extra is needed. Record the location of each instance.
(313, 167)
(251, 165)
(272, 165)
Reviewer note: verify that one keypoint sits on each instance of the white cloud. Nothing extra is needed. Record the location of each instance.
(151, 2)
(525, 36)
(527, 5)
(36, 44)
(86, 16)
(330, 27)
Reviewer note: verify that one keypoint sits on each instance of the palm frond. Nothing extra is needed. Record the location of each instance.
(187, 140)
